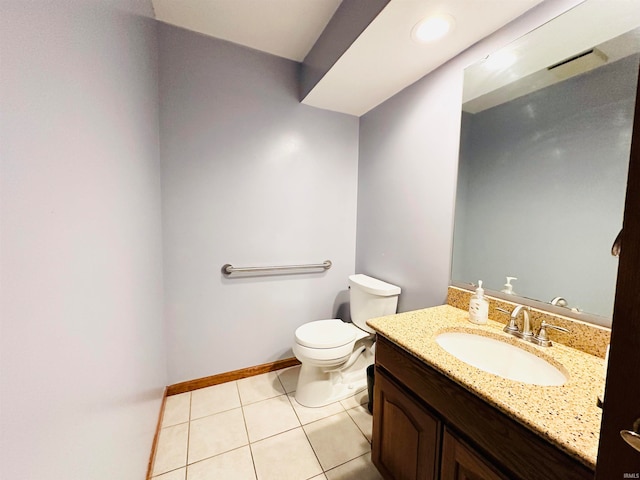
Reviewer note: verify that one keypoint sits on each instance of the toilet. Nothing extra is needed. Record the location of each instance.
(335, 354)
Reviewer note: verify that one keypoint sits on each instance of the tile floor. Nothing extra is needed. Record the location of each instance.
(253, 429)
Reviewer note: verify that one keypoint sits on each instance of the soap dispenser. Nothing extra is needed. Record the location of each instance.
(478, 306)
(508, 288)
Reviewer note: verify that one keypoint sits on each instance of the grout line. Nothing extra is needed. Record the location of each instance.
(215, 413)
(168, 471)
(275, 435)
(359, 429)
(281, 384)
(262, 400)
(186, 460)
(301, 426)
(246, 431)
(344, 463)
(253, 462)
(214, 456)
(313, 450)
(294, 410)
(354, 421)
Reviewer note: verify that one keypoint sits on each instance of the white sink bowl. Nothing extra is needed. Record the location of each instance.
(501, 358)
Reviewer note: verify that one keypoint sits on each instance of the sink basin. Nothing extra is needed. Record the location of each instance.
(501, 358)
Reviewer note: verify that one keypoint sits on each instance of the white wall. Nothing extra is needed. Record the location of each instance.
(407, 173)
(81, 338)
(250, 177)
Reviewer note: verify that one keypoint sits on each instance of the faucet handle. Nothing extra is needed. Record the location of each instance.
(511, 327)
(542, 338)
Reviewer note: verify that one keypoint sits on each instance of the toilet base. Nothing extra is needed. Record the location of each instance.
(317, 387)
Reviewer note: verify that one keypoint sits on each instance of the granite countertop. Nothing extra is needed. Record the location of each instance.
(565, 415)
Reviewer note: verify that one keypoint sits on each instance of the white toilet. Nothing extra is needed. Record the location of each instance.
(335, 354)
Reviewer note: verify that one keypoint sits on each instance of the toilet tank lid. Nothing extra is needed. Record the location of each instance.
(373, 285)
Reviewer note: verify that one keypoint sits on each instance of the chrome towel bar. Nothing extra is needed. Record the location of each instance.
(228, 269)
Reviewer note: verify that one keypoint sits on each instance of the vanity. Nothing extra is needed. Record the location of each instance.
(436, 416)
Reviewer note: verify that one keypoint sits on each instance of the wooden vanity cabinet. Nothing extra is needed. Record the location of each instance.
(461, 462)
(409, 436)
(426, 426)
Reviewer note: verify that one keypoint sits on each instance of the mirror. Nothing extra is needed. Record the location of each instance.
(545, 142)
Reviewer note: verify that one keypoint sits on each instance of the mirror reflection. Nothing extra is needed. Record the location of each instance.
(545, 142)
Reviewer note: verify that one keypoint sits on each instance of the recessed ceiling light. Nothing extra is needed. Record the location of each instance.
(432, 28)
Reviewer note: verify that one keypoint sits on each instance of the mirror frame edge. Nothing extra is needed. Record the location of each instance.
(590, 318)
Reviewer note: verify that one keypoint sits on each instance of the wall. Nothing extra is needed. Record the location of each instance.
(81, 344)
(407, 173)
(250, 177)
(547, 175)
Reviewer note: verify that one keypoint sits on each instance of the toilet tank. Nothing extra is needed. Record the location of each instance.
(370, 298)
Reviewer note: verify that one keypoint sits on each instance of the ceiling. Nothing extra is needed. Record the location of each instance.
(382, 61)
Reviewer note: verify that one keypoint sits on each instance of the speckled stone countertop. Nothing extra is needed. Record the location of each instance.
(566, 415)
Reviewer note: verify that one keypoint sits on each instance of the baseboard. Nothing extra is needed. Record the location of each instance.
(204, 382)
(152, 457)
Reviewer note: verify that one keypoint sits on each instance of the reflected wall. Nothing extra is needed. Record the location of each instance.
(541, 189)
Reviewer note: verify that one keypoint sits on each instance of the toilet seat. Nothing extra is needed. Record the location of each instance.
(331, 333)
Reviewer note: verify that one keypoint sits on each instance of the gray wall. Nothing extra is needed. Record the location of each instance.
(81, 341)
(406, 185)
(350, 19)
(250, 177)
(545, 184)
(407, 173)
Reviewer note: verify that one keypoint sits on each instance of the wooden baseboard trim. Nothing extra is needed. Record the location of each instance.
(152, 457)
(204, 382)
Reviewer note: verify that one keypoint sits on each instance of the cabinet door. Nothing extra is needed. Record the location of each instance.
(405, 434)
(460, 462)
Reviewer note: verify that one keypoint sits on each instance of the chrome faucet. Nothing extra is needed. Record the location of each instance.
(526, 332)
(540, 338)
(559, 301)
(512, 326)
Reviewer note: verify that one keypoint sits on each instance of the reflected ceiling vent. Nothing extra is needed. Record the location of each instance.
(581, 63)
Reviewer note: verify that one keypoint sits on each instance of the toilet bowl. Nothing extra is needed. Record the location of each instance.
(335, 354)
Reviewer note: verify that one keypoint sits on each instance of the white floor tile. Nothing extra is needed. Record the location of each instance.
(234, 465)
(215, 399)
(360, 468)
(308, 414)
(363, 419)
(215, 434)
(171, 451)
(355, 400)
(206, 434)
(176, 409)
(287, 456)
(259, 387)
(179, 474)
(289, 378)
(336, 440)
(269, 417)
